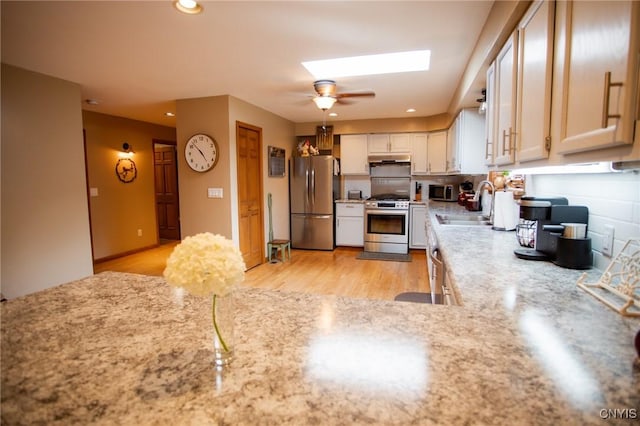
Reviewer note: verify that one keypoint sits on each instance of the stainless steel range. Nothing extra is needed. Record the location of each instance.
(386, 224)
(386, 213)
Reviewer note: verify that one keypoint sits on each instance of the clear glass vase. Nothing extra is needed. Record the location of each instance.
(222, 315)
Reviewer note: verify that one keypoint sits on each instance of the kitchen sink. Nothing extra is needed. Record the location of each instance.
(462, 219)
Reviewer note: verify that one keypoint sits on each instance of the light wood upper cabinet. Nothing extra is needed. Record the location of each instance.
(419, 158)
(490, 124)
(535, 68)
(466, 144)
(452, 163)
(400, 142)
(353, 155)
(382, 143)
(519, 83)
(600, 73)
(437, 152)
(505, 101)
(378, 144)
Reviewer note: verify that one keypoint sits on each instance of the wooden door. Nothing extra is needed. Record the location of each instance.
(166, 189)
(249, 165)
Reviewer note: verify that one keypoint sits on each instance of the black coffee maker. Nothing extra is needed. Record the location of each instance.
(552, 216)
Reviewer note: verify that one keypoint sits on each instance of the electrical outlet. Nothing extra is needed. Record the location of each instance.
(607, 240)
(139, 232)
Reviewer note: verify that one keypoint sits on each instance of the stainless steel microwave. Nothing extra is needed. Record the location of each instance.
(442, 193)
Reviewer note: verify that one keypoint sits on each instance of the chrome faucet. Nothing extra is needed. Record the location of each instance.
(476, 196)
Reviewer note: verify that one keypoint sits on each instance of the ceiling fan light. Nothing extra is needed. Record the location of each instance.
(324, 102)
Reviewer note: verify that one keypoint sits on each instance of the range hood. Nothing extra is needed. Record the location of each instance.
(390, 166)
(389, 159)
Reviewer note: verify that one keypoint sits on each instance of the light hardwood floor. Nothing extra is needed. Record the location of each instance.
(335, 272)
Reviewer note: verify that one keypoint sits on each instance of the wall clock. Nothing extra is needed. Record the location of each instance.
(201, 152)
(126, 170)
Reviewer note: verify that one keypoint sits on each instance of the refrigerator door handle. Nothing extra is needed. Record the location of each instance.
(307, 206)
(313, 187)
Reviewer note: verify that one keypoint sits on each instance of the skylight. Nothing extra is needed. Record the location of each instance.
(386, 63)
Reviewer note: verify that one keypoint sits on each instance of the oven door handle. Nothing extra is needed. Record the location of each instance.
(394, 212)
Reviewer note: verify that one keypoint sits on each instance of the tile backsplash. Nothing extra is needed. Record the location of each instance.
(612, 198)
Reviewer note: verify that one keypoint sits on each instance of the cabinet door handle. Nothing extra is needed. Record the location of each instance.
(605, 103)
(505, 147)
(504, 143)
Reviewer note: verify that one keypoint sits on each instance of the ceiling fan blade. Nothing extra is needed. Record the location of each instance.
(343, 101)
(355, 94)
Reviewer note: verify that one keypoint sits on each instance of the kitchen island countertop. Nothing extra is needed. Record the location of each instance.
(526, 348)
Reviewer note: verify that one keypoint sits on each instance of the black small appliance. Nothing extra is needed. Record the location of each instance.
(550, 214)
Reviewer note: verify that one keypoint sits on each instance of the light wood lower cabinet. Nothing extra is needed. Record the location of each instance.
(417, 235)
(350, 224)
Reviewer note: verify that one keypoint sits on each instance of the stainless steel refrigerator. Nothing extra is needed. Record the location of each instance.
(313, 188)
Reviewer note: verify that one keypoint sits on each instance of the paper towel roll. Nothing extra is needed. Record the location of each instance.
(505, 211)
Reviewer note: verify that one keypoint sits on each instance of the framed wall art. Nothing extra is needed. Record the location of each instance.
(276, 161)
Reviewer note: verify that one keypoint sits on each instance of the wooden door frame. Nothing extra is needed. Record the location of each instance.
(155, 142)
(240, 124)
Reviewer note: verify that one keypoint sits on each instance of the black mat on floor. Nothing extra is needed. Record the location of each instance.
(395, 257)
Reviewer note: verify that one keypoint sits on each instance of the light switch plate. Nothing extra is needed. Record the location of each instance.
(607, 240)
(214, 192)
(93, 192)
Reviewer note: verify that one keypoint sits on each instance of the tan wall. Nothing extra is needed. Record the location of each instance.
(45, 216)
(502, 19)
(276, 131)
(121, 209)
(197, 212)
(217, 116)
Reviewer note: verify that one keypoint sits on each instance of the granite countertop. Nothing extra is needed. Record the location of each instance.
(526, 348)
(585, 349)
(345, 200)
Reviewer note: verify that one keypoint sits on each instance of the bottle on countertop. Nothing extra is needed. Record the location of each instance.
(418, 191)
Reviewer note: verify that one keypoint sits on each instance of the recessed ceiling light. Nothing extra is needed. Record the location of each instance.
(170, 114)
(416, 60)
(91, 101)
(188, 6)
(333, 114)
(411, 110)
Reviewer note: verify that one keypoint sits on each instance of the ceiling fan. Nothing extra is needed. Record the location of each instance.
(327, 94)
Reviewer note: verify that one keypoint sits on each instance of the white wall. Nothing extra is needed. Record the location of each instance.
(612, 199)
(45, 214)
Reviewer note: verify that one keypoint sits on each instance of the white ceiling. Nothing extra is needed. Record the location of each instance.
(137, 58)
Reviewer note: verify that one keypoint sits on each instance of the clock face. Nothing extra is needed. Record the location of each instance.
(126, 170)
(201, 152)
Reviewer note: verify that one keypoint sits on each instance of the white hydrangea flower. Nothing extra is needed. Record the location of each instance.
(205, 264)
